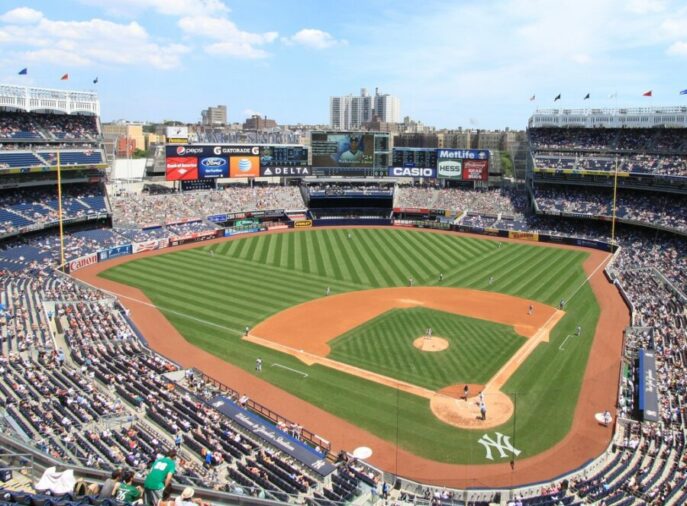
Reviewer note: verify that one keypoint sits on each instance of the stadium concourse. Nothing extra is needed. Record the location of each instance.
(79, 385)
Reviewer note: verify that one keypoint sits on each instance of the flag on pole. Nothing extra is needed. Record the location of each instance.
(647, 93)
(558, 97)
(683, 92)
(586, 97)
(23, 71)
(64, 77)
(532, 98)
(95, 81)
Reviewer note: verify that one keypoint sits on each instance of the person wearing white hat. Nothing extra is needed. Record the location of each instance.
(186, 499)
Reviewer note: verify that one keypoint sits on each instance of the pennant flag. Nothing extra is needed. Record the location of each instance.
(95, 81)
(558, 97)
(647, 93)
(613, 95)
(532, 98)
(64, 77)
(683, 92)
(586, 97)
(23, 71)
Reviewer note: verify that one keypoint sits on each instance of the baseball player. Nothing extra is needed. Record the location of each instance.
(483, 410)
(246, 330)
(441, 277)
(466, 391)
(578, 330)
(429, 332)
(491, 280)
(258, 364)
(327, 291)
(530, 311)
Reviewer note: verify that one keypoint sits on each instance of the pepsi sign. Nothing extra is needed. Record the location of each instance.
(213, 166)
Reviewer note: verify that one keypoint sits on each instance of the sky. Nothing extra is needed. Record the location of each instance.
(469, 64)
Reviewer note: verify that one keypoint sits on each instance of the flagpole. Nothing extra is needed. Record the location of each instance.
(59, 207)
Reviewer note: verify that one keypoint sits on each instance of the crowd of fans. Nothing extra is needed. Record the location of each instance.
(140, 210)
(491, 202)
(666, 210)
(641, 151)
(46, 127)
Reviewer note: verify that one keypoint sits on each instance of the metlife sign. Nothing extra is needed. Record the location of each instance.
(412, 172)
(463, 154)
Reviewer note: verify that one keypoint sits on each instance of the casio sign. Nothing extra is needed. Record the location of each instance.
(412, 172)
(213, 162)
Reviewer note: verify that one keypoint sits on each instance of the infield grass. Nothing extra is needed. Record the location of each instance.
(477, 348)
(251, 278)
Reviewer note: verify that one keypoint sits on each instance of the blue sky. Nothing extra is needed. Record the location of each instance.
(471, 64)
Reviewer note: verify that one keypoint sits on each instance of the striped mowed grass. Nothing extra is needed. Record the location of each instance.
(476, 348)
(211, 298)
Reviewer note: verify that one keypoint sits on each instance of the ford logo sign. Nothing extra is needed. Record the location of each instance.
(245, 165)
(213, 162)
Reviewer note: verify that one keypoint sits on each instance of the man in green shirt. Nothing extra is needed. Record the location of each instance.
(159, 476)
(127, 491)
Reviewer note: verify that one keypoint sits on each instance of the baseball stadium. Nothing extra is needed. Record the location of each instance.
(344, 320)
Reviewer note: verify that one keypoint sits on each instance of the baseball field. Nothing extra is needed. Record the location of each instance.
(211, 292)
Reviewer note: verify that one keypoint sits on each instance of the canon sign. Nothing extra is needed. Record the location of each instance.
(412, 172)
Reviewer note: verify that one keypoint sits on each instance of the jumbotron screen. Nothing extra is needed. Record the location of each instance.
(350, 149)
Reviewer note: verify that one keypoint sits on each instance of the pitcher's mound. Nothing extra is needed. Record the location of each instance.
(434, 343)
(450, 407)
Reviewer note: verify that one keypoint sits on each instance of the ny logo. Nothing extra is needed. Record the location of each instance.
(502, 444)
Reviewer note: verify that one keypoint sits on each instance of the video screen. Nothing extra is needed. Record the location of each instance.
(342, 150)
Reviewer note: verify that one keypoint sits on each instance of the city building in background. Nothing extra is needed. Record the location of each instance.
(214, 116)
(353, 112)
(256, 122)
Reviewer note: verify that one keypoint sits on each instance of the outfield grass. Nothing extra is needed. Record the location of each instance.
(477, 348)
(251, 278)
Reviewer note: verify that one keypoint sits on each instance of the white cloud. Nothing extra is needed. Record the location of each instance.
(227, 39)
(81, 43)
(133, 8)
(313, 38)
(248, 113)
(678, 48)
(646, 6)
(21, 15)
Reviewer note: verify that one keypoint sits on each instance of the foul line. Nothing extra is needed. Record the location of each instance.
(560, 348)
(288, 368)
(159, 308)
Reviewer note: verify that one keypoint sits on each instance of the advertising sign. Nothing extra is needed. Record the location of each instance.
(525, 236)
(213, 166)
(269, 433)
(117, 251)
(450, 169)
(302, 224)
(463, 154)
(412, 172)
(475, 170)
(244, 166)
(205, 150)
(181, 168)
(285, 171)
(83, 261)
(151, 245)
(648, 390)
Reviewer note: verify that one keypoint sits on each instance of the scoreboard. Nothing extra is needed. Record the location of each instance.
(414, 157)
(283, 156)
